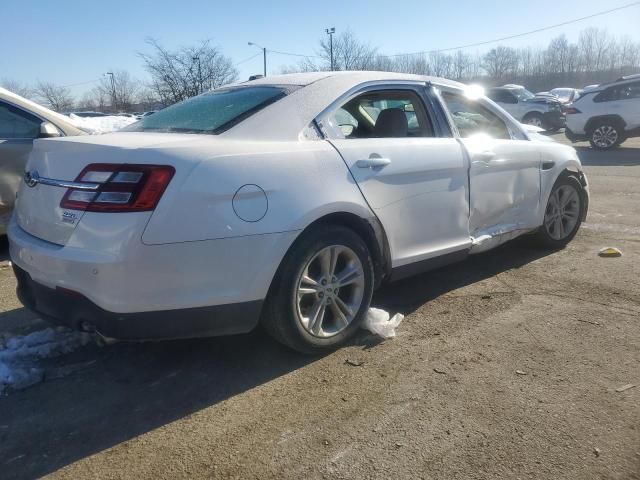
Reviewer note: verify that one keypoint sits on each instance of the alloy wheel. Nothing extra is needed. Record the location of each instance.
(562, 212)
(329, 291)
(605, 136)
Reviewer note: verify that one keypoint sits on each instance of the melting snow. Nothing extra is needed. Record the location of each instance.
(98, 125)
(19, 354)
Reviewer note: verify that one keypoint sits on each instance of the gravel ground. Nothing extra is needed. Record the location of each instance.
(506, 366)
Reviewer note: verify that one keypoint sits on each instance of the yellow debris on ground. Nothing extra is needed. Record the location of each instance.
(610, 252)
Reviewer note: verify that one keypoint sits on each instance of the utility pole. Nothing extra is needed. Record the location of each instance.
(330, 32)
(264, 56)
(114, 103)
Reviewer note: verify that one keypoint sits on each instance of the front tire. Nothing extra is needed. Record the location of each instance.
(605, 136)
(563, 214)
(322, 290)
(534, 119)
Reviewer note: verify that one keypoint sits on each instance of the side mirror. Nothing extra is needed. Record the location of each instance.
(48, 130)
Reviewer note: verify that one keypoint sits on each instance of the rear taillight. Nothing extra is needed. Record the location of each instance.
(571, 110)
(120, 188)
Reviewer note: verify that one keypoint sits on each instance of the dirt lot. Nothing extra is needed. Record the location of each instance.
(506, 366)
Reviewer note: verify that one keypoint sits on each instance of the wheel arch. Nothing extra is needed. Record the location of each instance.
(532, 113)
(615, 119)
(369, 229)
(570, 168)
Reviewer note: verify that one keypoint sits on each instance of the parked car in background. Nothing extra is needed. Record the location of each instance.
(564, 95)
(606, 115)
(86, 114)
(21, 122)
(540, 111)
(146, 114)
(285, 201)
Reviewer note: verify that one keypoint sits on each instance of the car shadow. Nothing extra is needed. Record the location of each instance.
(618, 157)
(118, 392)
(407, 295)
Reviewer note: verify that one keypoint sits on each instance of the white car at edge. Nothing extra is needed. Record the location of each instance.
(284, 200)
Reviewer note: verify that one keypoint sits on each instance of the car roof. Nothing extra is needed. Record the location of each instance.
(621, 80)
(57, 119)
(307, 78)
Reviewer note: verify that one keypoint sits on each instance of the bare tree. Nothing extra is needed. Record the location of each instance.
(17, 87)
(596, 57)
(461, 63)
(56, 97)
(348, 53)
(188, 71)
(121, 92)
(500, 61)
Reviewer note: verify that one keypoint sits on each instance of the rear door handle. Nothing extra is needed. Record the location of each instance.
(374, 162)
(485, 156)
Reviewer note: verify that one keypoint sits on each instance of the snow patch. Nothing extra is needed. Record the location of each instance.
(99, 125)
(19, 354)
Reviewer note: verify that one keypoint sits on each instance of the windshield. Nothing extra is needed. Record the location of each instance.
(212, 112)
(522, 93)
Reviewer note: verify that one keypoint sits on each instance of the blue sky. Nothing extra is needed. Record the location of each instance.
(69, 41)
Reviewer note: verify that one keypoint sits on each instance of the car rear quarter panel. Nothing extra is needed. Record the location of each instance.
(301, 180)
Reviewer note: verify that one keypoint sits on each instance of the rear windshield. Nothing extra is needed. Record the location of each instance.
(212, 112)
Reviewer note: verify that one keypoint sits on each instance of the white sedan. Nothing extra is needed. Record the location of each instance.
(285, 201)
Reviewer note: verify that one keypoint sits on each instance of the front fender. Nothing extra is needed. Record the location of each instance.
(559, 160)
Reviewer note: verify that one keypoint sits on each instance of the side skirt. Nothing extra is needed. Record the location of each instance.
(398, 273)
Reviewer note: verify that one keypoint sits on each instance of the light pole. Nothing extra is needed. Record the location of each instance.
(114, 104)
(330, 32)
(199, 74)
(264, 53)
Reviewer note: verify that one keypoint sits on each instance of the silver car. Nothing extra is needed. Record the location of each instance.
(21, 122)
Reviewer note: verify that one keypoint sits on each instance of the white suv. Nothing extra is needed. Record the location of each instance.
(606, 115)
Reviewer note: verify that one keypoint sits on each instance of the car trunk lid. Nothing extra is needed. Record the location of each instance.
(38, 204)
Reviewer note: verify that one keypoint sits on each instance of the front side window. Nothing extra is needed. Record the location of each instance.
(471, 118)
(16, 123)
(212, 112)
(384, 114)
(502, 96)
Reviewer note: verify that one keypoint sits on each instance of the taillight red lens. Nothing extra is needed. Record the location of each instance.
(570, 110)
(122, 188)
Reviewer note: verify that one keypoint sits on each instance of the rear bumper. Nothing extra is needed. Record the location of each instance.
(553, 119)
(78, 312)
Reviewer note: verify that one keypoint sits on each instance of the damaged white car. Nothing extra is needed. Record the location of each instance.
(284, 200)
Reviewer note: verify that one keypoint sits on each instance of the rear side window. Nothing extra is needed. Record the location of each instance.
(629, 91)
(384, 114)
(212, 112)
(471, 118)
(16, 123)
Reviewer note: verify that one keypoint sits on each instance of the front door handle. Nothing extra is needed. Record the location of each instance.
(374, 162)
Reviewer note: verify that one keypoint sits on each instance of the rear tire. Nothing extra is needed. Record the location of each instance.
(322, 291)
(606, 135)
(563, 213)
